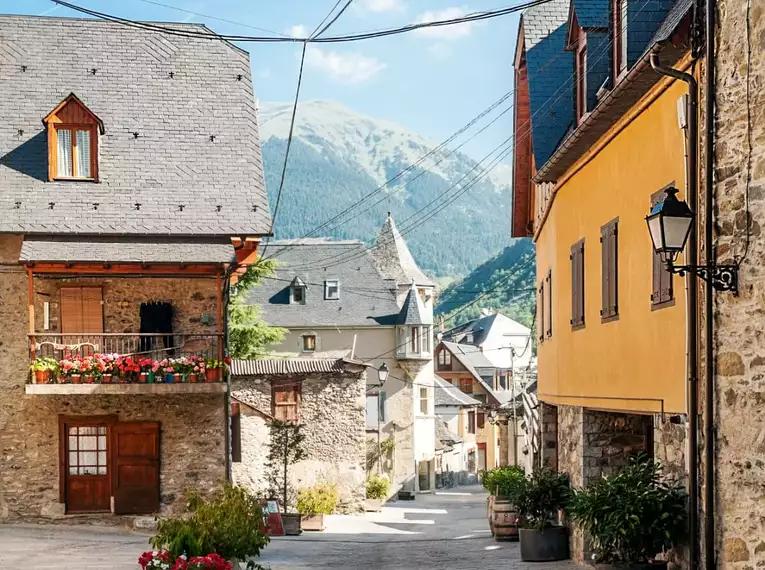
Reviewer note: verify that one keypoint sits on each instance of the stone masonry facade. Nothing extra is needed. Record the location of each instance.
(332, 409)
(192, 427)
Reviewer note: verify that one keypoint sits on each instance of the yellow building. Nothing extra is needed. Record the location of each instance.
(611, 320)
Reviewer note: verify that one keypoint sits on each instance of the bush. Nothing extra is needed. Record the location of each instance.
(540, 497)
(229, 524)
(503, 481)
(633, 515)
(321, 499)
(378, 487)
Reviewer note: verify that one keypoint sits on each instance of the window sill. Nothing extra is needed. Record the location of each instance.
(662, 305)
(73, 179)
(610, 319)
(578, 327)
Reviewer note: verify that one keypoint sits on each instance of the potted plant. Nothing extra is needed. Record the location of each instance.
(213, 370)
(92, 369)
(503, 484)
(539, 500)
(285, 448)
(378, 488)
(180, 369)
(129, 368)
(196, 367)
(108, 367)
(149, 367)
(315, 502)
(631, 516)
(70, 369)
(45, 369)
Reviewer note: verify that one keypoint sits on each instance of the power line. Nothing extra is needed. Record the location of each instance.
(316, 33)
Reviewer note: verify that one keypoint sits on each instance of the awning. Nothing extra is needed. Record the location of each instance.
(125, 249)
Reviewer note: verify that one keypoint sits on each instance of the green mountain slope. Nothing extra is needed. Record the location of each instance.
(510, 279)
(338, 156)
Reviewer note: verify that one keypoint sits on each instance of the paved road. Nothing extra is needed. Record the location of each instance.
(442, 531)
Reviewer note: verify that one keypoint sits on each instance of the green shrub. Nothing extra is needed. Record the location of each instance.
(229, 524)
(321, 499)
(504, 481)
(378, 487)
(540, 497)
(632, 515)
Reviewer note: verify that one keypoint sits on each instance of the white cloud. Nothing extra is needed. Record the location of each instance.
(298, 31)
(451, 32)
(383, 5)
(439, 50)
(351, 67)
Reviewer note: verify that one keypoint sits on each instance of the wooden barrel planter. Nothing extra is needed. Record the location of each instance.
(489, 514)
(504, 520)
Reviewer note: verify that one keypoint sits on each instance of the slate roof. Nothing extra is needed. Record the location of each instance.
(393, 258)
(444, 435)
(172, 163)
(447, 394)
(644, 18)
(549, 72)
(474, 362)
(76, 249)
(638, 81)
(276, 367)
(413, 312)
(481, 327)
(365, 297)
(592, 13)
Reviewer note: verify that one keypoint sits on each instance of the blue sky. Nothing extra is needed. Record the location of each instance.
(432, 82)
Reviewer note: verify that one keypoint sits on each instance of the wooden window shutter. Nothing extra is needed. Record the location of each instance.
(236, 433)
(71, 310)
(577, 284)
(549, 312)
(285, 399)
(661, 290)
(541, 312)
(609, 269)
(92, 310)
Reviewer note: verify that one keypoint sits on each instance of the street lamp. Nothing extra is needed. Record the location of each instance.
(669, 224)
(382, 373)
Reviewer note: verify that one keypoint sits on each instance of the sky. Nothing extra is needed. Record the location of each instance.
(430, 81)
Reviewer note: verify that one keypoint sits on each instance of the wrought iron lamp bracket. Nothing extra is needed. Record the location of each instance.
(720, 277)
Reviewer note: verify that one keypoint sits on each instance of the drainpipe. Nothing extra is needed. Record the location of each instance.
(692, 253)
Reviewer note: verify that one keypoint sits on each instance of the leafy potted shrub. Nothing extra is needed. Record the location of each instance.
(543, 494)
(285, 448)
(631, 516)
(230, 524)
(378, 488)
(213, 370)
(503, 484)
(45, 369)
(315, 502)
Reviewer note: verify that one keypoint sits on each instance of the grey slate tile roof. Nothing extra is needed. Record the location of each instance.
(474, 362)
(592, 13)
(172, 163)
(448, 395)
(114, 250)
(413, 312)
(644, 17)
(393, 258)
(365, 297)
(444, 435)
(550, 75)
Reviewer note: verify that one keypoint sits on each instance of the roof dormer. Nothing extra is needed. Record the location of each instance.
(73, 131)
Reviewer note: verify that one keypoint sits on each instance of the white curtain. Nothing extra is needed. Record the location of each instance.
(65, 152)
(82, 145)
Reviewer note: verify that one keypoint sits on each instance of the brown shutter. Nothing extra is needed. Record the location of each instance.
(541, 311)
(609, 269)
(286, 401)
(481, 420)
(92, 310)
(661, 291)
(71, 310)
(549, 304)
(577, 283)
(604, 272)
(236, 433)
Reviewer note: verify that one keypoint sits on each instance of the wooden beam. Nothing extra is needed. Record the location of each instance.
(136, 269)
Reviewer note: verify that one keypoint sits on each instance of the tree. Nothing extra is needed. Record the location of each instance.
(248, 335)
(285, 448)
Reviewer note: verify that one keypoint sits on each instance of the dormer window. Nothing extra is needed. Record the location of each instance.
(581, 77)
(619, 31)
(332, 290)
(72, 141)
(297, 292)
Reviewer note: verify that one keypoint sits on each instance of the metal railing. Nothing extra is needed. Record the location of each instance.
(141, 345)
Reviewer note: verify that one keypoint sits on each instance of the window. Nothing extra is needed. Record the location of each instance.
(541, 312)
(297, 295)
(424, 401)
(481, 420)
(285, 401)
(375, 409)
(619, 18)
(581, 77)
(466, 385)
(444, 359)
(87, 450)
(415, 339)
(72, 141)
(609, 270)
(661, 291)
(332, 290)
(309, 343)
(577, 284)
(503, 382)
(471, 461)
(548, 309)
(236, 433)
(471, 422)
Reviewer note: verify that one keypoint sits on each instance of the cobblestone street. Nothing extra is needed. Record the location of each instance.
(439, 531)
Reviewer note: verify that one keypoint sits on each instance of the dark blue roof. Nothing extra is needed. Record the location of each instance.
(644, 17)
(592, 13)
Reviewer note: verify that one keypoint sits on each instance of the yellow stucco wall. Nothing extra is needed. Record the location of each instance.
(642, 354)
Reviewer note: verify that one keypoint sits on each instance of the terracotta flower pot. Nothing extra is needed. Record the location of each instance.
(42, 376)
(107, 379)
(178, 378)
(143, 378)
(193, 378)
(212, 375)
(90, 379)
(76, 379)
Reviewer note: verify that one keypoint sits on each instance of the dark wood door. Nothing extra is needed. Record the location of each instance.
(86, 468)
(135, 456)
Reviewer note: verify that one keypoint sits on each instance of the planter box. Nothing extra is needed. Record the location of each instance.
(312, 522)
(546, 545)
(661, 565)
(373, 505)
(291, 523)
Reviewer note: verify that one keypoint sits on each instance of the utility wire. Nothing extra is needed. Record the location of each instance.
(316, 33)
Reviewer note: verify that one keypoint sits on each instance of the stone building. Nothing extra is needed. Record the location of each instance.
(340, 299)
(327, 397)
(102, 188)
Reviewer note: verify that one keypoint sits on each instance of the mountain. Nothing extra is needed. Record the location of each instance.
(509, 279)
(338, 156)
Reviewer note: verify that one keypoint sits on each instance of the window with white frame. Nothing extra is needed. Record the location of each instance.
(332, 289)
(424, 401)
(444, 360)
(297, 295)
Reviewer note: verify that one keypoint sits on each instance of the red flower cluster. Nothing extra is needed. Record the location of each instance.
(161, 561)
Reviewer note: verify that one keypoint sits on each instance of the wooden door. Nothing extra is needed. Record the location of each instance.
(85, 466)
(482, 457)
(135, 455)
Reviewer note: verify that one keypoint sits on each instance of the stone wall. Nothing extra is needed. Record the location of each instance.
(548, 434)
(332, 412)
